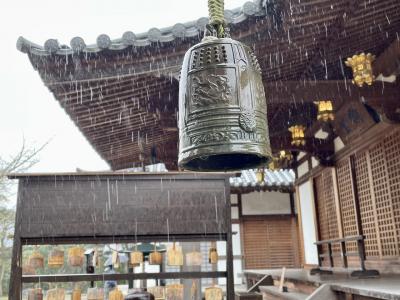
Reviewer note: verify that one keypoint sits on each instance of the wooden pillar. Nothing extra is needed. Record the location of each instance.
(15, 287)
(355, 193)
(230, 288)
(292, 209)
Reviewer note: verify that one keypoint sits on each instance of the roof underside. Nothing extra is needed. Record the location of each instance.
(123, 94)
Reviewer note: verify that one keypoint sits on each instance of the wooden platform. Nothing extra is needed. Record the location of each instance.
(299, 281)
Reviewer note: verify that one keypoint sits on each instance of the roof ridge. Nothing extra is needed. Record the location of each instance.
(128, 39)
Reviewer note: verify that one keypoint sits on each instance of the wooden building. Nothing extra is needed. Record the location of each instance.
(122, 94)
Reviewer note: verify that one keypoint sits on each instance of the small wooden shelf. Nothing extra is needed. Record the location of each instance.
(124, 276)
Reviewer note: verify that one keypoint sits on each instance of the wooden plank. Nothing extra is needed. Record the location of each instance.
(338, 91)
(15, 287)
(300, 228)
(373, 200)
(122, 239)
(123, 205)
(122, 276)
(337, 202)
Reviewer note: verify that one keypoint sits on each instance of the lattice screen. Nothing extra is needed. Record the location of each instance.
(367, 207)
(322, 216)
(383, 201)
(330, 204)
(346, 200)
(269, 243)
(392, 149)
(327, 216)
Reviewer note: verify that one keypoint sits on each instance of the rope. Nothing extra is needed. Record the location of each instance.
(217, 19)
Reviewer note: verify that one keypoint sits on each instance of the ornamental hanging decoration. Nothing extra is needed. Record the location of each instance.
(285, 155)
(361, 65)
(298, 137)
(274, 164)
(260, 175)
(325, 111)
(222, 106)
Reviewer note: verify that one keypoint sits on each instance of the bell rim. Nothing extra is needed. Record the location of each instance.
(264, 158)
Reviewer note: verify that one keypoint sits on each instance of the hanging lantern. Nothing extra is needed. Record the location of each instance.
(222, 106)
(285, 155)
(361, 65)
(298, 138)
(325, 111)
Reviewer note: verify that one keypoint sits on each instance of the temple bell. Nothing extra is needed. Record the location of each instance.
(222, 106)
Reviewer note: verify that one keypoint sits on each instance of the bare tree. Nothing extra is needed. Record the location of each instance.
(20, 162)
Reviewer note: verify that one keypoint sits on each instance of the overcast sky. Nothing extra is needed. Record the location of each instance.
(27, 109)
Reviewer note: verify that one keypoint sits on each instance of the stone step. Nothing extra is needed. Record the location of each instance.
(273, 293)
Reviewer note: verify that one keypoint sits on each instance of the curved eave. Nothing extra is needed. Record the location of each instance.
(165, 35)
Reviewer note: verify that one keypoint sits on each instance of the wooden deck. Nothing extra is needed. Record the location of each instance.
(384, 287)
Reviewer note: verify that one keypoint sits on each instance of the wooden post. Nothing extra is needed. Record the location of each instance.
(230, 287)
(344, 254)
(356, 197)
(15, 288)
(330, 255)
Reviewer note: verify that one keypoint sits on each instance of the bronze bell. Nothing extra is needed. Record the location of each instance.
(222, 108)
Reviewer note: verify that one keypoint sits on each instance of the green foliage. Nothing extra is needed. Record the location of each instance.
(6, 230)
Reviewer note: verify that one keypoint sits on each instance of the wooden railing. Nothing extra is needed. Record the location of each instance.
(359, 239)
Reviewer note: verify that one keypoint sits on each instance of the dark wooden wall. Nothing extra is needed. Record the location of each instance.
(115, 207)
(118, 206)
(367, 176)
(270, 242)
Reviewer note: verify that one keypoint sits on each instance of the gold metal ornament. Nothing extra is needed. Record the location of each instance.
(361, 65)
(285, 155)
(325, 111)
(260, 175)
(298, 136)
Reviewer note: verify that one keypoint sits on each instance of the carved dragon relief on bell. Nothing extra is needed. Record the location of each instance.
(222, 108)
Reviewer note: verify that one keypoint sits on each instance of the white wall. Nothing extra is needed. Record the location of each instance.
(308, 223)
(265, 203)
(302, 169)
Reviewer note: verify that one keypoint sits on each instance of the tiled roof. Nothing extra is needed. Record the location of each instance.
(153, 35)
(273, 180)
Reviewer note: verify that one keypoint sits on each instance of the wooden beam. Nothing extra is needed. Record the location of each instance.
(124, 276)
(323, 150)
(338, 91)
(388, 62)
